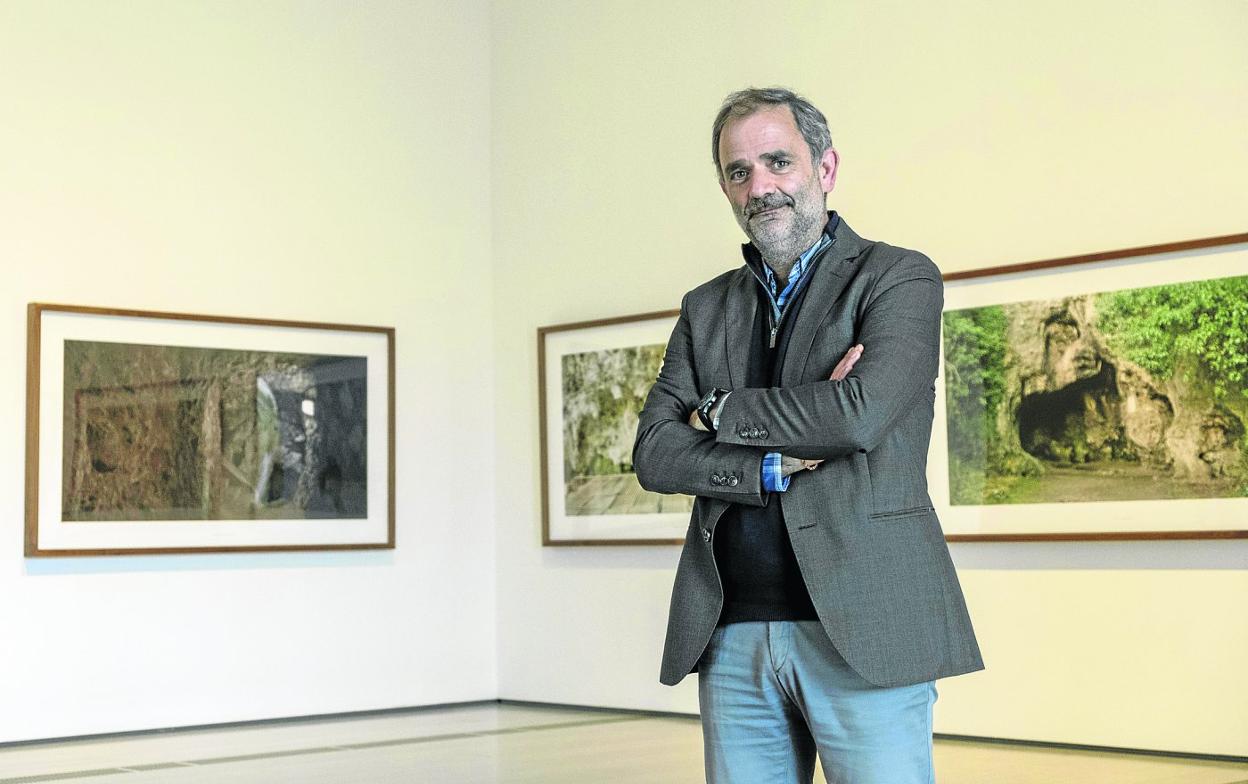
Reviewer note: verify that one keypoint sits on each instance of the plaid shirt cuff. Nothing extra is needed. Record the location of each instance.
(773, 480)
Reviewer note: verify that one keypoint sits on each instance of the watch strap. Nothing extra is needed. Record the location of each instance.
(707, 405)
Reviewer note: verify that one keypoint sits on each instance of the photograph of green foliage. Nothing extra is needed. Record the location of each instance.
(594, 379)
(603, 392)
(1133, 394)
(169, 433)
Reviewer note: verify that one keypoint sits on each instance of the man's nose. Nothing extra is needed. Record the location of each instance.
(762, 183)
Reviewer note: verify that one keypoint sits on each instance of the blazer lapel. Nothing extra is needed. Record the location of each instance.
(832, 273)
(740, 304)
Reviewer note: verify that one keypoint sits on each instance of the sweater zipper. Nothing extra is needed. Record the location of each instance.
(771, 316)
(775, 322)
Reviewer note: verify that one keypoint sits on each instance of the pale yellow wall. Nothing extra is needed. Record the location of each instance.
(980, 132)
(346, 162)
(1126, 657)
(323, 161)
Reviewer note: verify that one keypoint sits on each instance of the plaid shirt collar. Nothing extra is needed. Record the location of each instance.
(797, 275)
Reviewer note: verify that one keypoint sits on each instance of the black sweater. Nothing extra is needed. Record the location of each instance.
(760, 575)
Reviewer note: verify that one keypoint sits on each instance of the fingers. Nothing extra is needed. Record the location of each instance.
(847, 363)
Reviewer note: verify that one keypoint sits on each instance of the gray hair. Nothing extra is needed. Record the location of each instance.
(810, 121)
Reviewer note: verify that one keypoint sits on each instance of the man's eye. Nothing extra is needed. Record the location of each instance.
(736, 176)
(781, 164)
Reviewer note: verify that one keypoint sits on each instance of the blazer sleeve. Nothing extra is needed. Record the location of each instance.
(670, 456)
(900, 333)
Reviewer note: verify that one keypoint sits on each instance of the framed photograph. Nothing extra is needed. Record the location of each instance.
(1096, 397)
(1102, 396)
(175, 433)
(593, 380)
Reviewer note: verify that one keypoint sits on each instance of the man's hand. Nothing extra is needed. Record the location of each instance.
(791, 465)
(846, 364)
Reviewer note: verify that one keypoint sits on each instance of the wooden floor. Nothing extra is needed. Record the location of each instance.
(489, 743)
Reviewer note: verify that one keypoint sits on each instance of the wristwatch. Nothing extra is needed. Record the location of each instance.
(707, 405)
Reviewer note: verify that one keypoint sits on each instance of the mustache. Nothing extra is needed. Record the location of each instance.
(767, 202)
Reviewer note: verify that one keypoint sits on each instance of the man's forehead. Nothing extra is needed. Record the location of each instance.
(766, 131)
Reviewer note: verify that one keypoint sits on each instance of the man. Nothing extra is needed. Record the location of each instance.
(815, 596)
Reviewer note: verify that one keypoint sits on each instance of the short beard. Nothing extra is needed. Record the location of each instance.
(780, 253)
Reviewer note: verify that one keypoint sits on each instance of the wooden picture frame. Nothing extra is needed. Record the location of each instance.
(1176, 262)
(590, 496)
(1091, 413)
(160, 433)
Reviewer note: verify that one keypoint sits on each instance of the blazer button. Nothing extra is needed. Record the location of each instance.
(763, 433)
(732, 481)
(706, 535)
(753, 432)
(744, 432)
(715, 479)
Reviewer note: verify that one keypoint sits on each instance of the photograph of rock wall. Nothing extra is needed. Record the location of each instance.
(174, 433)
(1122, 395)
(603, 392)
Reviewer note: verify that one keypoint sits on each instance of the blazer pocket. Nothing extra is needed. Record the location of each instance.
(897, 514)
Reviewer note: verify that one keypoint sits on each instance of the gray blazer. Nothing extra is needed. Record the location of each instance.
(870, 549)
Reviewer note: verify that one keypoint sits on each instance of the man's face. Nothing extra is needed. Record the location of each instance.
(776, 190)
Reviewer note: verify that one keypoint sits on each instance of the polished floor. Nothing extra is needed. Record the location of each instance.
(488, 743)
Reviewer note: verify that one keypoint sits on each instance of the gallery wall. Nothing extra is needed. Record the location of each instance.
(981, 133)
(321, 161)
(347, 162)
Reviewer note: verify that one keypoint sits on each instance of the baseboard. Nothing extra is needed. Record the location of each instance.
(364, 714)
(1038, 744)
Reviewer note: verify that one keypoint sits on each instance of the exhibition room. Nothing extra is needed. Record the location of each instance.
(624, 391)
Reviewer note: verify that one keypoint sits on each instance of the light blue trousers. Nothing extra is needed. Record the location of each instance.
(773, 693)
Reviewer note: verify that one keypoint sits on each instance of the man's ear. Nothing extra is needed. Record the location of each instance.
(723, 186)
(828, 163)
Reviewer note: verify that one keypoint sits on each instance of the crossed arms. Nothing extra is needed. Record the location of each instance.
(899, 318)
